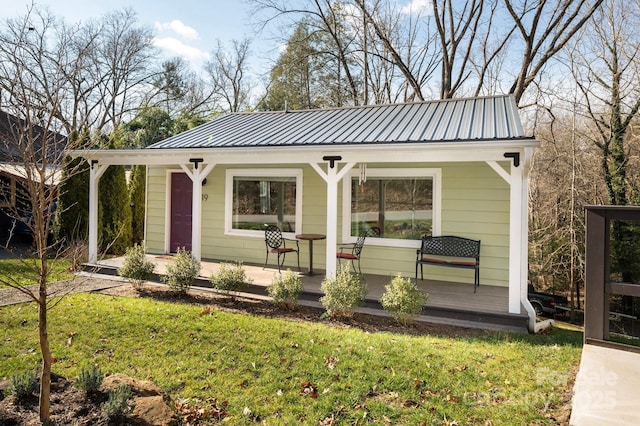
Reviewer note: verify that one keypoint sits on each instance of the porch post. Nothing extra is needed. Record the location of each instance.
(332, 177)
(517, 242)
(197, 175)
(95, 172)
(518, 230)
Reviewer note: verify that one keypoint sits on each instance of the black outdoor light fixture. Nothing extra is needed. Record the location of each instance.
(515, 156)
(93, 162)
(195, 162)
(332, 159)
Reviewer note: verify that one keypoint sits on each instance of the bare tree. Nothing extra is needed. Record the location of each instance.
(605, 63)
(545, 28)
(227, 74)
(34, 84)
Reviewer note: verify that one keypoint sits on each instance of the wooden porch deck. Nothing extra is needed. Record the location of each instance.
(449, 302)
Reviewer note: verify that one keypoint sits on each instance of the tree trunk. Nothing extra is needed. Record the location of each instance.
(45, 377)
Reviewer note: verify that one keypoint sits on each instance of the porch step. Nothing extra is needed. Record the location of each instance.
(501, 321)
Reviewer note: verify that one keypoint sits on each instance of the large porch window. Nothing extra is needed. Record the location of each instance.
(404, 204)
(259, 197)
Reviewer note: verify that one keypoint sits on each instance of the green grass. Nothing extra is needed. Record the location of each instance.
(24, 272)
(272, 366)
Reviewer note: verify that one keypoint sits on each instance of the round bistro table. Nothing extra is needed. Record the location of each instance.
(311, 238)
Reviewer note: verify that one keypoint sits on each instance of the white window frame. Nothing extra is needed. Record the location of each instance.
(260, 173)
(434, 173)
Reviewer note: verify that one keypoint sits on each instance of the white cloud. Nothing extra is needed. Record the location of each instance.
(177, 47)
(417, 6)
(179, 28)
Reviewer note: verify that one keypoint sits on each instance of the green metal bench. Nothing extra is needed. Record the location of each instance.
(449, 247)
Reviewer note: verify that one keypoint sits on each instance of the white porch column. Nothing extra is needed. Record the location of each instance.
(332, 177)
(95, 172)
(515, 240)
(518, 230)
(197, 175)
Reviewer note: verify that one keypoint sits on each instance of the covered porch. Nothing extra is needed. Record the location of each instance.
(457, 167)
(452, 303)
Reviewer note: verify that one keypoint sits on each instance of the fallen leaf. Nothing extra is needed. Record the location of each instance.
(309, 389)
(331, 362)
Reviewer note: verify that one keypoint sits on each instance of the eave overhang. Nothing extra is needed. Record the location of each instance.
(458, 151)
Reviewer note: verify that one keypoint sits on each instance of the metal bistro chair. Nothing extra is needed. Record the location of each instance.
(356, 248)
(276, 243)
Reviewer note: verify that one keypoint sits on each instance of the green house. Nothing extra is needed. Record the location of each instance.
(449, 167)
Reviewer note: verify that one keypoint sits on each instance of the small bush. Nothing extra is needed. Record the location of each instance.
(182, 271)
(285, 289)
(230, 279)
(23, 385)
(89, 379)
(136, 267)
(343, 293)
(117, 406)
(403, 299)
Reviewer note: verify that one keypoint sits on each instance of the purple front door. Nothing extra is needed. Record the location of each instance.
(181, 195)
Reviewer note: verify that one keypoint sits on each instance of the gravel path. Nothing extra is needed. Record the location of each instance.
(11, 296)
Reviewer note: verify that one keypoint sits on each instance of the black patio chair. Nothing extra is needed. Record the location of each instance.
(353, 251)
(276, 243)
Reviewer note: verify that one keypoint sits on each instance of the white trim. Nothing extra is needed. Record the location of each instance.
(462, 151)
(146, 207)
(260, 173)
(434, 173)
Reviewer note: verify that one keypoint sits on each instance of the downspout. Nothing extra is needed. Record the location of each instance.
(533, 326)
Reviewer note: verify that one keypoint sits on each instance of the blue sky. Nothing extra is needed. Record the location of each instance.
(188, 28)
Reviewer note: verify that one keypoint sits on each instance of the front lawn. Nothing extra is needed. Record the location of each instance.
(280, 371)
(25, 272)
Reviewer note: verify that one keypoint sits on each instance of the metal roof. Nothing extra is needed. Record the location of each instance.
(451, 120)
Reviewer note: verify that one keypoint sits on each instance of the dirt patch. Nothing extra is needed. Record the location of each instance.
(68, 406)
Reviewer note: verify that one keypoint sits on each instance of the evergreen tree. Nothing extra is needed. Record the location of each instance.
(137, 183)
(71, 220)
(292, 78)
(114, 220)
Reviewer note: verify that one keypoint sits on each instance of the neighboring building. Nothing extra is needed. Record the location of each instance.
(450, 167)
(20, 145)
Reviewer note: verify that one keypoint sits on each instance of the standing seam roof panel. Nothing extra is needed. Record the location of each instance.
(445, 120)
(372, 133)
(407, 115)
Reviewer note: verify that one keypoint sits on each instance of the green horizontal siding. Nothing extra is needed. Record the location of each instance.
(475, 204)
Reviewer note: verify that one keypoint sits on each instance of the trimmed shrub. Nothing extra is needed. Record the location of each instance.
(403, 299)
(230, 279)
(23, 385)
(136, 267)
(285, 289)
(118, 403)
(182, 271)
(343, 293)
(89, 379)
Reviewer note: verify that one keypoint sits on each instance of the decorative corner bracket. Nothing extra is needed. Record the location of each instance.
(195, 162)
(515, 156)
(332, 159)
